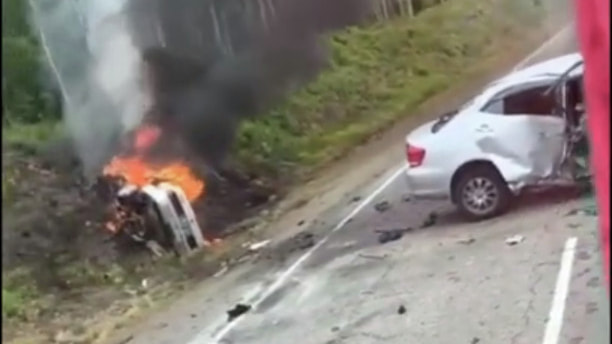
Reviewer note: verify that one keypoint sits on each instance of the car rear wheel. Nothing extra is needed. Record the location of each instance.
(481, 193)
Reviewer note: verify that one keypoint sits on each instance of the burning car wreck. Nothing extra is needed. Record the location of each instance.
(151, 200)
(181, 76)
(158, 215)
(524, 131)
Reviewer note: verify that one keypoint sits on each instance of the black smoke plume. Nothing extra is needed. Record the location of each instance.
(212, 64)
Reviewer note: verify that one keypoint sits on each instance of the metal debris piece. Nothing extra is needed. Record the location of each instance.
(259, 245)
(513, 240)
(430, 220)
(467, 241)
(222, 271)
(387, 235)
(371, 256)
(589, 209)
(237, 311)
(126, 339)
(383, 206)
(401, 309)
(155, 248)
(304, 240)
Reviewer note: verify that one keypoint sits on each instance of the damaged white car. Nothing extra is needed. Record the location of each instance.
(524, 130)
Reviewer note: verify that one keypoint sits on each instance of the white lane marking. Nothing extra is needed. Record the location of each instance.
(282, 278)
(555, 317)
(542, 47)
(203, 336)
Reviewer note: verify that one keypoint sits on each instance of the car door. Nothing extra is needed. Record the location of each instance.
(522, 133)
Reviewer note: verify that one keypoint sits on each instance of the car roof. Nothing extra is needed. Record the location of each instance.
(546, 70)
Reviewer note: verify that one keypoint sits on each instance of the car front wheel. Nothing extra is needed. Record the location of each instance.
(481, 193)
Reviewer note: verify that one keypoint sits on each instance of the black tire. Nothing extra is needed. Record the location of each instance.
(493, 181)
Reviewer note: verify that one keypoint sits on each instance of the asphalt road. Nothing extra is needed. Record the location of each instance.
(449, 283)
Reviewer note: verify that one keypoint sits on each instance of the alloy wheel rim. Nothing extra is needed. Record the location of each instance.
(480, 195)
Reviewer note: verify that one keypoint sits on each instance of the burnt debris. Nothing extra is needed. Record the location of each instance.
(237, 311)
(303, 240)
(430, 220)
(383, 206)
(387, 235)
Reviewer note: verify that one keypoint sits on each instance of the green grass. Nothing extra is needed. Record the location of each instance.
(27, 138)
(12, 303)
(30, 135)
(378, 75)
(17, 294)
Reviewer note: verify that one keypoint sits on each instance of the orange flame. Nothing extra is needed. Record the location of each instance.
(136, 171)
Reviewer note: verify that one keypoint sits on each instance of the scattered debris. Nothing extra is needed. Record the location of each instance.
(371, 256)
(383, 206)
(467, 241)
(475, 340)
(386, 235)
(237, 311)
(430, 220)
(583, 255)
(144, 283)
(343, 245)
(126, 339)
(155, 248)
(222, 271)
(356, 199)
(593, 282)
(513, 240)
(406, 198)
(401, 309)
(590, 209)
(68, 337)
(304, 240)
(259, 245)
(573, 225)
(301, 222)
(335, 329)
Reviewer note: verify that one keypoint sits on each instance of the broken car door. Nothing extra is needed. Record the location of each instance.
(522, 134)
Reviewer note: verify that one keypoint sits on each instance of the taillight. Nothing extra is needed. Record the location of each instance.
(415, 155)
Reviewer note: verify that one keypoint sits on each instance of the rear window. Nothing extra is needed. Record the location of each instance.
(442, 121)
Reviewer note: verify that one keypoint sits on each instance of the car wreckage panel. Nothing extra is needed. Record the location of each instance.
(530, 136)
(524, 148)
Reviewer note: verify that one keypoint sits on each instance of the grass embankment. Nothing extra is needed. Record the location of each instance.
(379, 74)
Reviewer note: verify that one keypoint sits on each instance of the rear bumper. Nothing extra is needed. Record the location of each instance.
(425, 184)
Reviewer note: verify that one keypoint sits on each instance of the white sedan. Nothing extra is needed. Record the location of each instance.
(521, 131)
